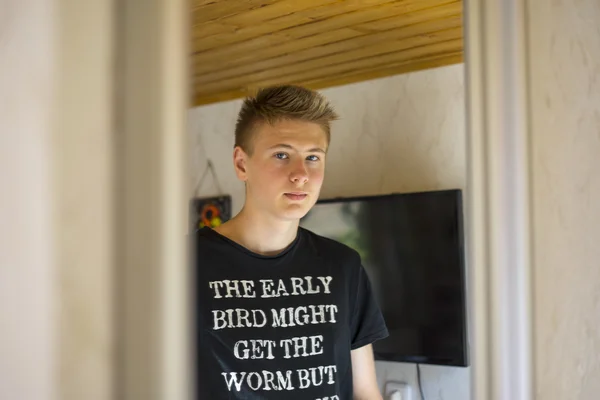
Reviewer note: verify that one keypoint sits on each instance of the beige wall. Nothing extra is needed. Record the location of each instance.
(565, 84)
(56, 129)
(63, 207)
(83, 193)
(27, 323)
(59, 127)
(399, 134)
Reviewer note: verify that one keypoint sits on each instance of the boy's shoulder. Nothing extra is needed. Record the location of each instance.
(201, 236)
(330, 248)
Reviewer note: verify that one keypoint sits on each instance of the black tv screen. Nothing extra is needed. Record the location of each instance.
(412, 248)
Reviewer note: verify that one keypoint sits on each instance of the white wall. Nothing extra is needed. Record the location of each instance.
(565, 86)
(398, 134)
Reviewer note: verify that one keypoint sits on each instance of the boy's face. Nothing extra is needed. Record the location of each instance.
(285, 172)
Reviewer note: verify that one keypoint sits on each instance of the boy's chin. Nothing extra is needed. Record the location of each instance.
(294, 214)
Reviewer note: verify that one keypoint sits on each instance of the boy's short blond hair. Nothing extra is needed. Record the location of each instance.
(276, 103)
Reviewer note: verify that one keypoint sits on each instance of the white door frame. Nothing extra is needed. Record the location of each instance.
(151, 197)
(498, 199)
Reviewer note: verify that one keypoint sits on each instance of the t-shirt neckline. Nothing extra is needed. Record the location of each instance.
(253, 254)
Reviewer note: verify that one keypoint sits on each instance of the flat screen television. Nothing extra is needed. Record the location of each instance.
(412, 249)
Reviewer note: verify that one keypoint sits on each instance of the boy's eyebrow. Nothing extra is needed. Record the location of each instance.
(287, 146)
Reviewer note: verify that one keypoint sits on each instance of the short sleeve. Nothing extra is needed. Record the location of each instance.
(367, 323)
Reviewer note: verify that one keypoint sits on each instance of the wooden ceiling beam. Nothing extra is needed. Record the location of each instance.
(434, 48)
(248, 13)
(334, 61)
(241, 45)
(346, 78)
(251, 37)
(219, 10)
(197, 4)
(212, 34)
(296, 55)
(434, 61)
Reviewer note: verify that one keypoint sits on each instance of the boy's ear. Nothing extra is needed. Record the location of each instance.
(240, 159)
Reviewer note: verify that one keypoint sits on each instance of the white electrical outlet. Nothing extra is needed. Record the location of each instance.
(395, 389)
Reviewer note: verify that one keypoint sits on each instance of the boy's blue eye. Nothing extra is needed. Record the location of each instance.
(312, 158)
(281, 156)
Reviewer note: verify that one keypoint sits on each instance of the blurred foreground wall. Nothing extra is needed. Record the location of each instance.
(92, 202)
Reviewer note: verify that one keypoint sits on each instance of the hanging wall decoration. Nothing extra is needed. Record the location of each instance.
(209, 211)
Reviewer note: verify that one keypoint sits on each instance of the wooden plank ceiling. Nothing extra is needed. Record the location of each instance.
(241, 45)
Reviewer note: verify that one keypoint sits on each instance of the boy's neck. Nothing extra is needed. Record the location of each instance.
(260, 234)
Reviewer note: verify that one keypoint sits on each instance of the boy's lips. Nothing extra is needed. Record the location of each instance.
(296, 195)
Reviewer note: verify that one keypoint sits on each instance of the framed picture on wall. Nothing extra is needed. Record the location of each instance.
(209, 211)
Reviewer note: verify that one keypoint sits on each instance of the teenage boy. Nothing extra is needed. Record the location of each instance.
(282, 313)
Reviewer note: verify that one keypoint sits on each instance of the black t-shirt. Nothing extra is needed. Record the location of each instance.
(280, 327)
